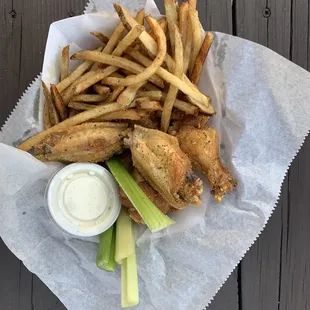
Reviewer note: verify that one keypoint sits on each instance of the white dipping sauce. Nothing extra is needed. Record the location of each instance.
(83, 199)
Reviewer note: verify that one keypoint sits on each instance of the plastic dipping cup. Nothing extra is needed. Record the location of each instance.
(83, 199)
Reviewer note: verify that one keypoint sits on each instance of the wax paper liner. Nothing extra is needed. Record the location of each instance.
(181, 268)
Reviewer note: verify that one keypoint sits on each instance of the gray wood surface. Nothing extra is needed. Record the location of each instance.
(275, 273)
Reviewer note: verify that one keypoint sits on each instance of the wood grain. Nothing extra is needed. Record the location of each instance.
(24, 28)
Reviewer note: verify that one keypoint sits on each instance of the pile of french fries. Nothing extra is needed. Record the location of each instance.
(146, 72)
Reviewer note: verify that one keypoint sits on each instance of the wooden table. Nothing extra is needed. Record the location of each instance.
(275, 273)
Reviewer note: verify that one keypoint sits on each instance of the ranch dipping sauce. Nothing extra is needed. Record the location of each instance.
(83, 199)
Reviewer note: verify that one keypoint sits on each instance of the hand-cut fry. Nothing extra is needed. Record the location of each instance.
(201, 58)
(172, 19)
(188, 46)
(192, 4)
(81, 106)
(163, 24)
(102, 90)
(114, 95)
(88, 98)
(157, 62)
(129, 94)
(150, 44)
(130, 114)
(117, 62)
(140, 17)
(111, 124)
(111, 81)
(173, 91)
(59, 104)
(46, 117)
(114, 39)
(197, 37)
(186, 107)
(156, 95)
(53, 114)
(69, 122)
(132, 35)
(183, 22)
(102, 37)
(202, 101)
(148, 105)
(64, 70)
(78, 72)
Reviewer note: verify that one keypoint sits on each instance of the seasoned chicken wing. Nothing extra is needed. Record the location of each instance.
(150, 192)
(89, 142)
(202, 146)
(165, 167)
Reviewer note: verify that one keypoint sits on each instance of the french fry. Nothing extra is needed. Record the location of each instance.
(46, 117)
(173, 91)
(94, 98)
(117, 62)
(74, 75)
(64, 71)
(201, 58)
(78, 72)
(148, 105)
(192, 4)
(59, 104)
(202, 101)
(111, 124)
(69, 122)
(130, 38)
(130, 114)
(188, 46)
(111, 81)
(172, 19)
(150, 44)
(156, 95)
(102, 37)
(102, 90)
(186, 107)
(163, 24)
(140, 17)
(114, 95)
(183, 22)
(81, 106)
(157, 62)
(197, 37)
(114, 39)
(129, 94)
(53, 114)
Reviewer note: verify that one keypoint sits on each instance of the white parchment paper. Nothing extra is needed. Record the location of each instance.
(263, 116)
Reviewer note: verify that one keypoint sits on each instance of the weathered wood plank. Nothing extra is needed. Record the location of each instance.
(250, 22)
(295, 267)
(24, 28)
(261, 267)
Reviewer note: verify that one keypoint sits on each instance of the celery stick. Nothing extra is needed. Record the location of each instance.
(129, 274)
(124, 245)
(152, 216)
(106, 250)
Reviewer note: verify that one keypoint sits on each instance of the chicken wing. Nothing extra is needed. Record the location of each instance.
(150, 192)
(89, 142)
(165, 167)
(202, 147)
